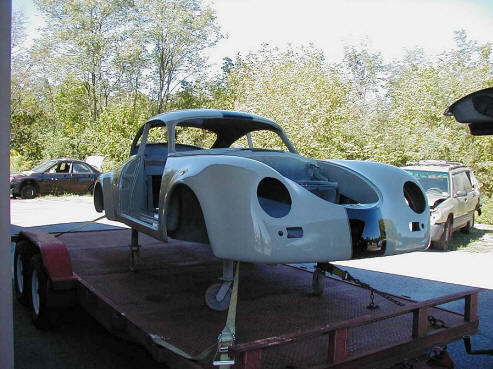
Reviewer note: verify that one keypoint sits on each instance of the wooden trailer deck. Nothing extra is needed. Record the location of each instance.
(279, 323)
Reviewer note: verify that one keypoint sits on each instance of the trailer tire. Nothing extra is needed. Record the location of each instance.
(39, 294)
(23, 253)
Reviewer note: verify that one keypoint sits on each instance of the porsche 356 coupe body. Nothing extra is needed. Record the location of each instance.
(198, 175)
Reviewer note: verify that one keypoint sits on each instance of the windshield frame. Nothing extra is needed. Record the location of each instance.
(420, 175)
(44, 166)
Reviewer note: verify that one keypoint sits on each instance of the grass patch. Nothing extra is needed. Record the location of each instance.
(479, 240)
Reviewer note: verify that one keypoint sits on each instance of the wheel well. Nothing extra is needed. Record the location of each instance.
(27, 245)
(98, 198)
(29, 182)
(185, 220)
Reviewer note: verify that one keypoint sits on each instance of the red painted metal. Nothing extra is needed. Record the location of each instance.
(364, 320)
(250, 360)
(56, 258)
(471, 308)
(420, 322)
(338, 345)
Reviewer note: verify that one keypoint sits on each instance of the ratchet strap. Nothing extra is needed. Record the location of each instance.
(162, 342)
(227, 337)
(80, 226)
(224, 342)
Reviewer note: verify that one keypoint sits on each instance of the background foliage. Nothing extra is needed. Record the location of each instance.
(102, 67)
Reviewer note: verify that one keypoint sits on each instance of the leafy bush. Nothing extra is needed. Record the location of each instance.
(486, 211)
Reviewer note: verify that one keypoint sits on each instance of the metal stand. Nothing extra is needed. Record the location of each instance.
(134, 251)
(218, 295)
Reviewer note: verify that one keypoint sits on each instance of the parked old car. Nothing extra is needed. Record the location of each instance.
(200, 175)
(54, 176)
(453, 197)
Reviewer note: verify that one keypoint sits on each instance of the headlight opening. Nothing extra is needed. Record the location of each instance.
(274, 197)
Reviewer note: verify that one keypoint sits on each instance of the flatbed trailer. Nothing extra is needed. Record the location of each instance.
(279, 322)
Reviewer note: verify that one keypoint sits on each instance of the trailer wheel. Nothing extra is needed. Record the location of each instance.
(39, 294)
(23, 271)
(211, 298)
(318, 282)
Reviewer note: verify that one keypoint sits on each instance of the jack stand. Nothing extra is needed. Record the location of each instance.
(134, 250)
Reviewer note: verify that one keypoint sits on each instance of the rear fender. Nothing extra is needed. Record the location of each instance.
(56, 259)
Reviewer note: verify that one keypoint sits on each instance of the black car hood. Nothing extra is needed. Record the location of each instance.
(476, 110)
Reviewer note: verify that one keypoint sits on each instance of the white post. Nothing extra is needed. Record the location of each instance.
(6, 323)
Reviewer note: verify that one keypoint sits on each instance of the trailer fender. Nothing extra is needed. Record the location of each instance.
(56, 259)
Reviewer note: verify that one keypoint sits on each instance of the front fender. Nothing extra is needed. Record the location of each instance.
(238, 228)
(110, 190)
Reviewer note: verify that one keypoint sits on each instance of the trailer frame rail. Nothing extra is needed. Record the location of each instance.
(250, 354)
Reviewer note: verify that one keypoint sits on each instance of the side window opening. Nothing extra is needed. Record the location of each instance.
(261, 140)
(63, 167)
(79, 168)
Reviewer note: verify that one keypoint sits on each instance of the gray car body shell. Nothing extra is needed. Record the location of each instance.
(225, 183)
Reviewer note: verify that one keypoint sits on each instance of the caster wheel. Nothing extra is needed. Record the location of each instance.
(212, 301)
(318, 282)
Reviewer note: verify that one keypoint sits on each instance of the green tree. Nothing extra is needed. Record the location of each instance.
(175, 32)
(81, 39)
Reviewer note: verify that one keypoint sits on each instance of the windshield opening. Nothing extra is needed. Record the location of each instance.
(432, 181)
(44, 166)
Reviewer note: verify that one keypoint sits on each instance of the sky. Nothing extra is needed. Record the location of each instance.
(387, 26)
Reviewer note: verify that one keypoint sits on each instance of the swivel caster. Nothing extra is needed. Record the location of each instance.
(133, 258)
(134, 255)
(218, 296)
(318, 282)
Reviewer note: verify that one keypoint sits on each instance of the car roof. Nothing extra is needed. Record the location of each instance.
(228, 125)
(201, 118)
(435, 165)
(75, 161)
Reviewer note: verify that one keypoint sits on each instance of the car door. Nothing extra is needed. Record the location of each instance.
(82, 177)
(460, 196)
(472, 199)
(132, 186)
(46, 180)
(57, 178)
